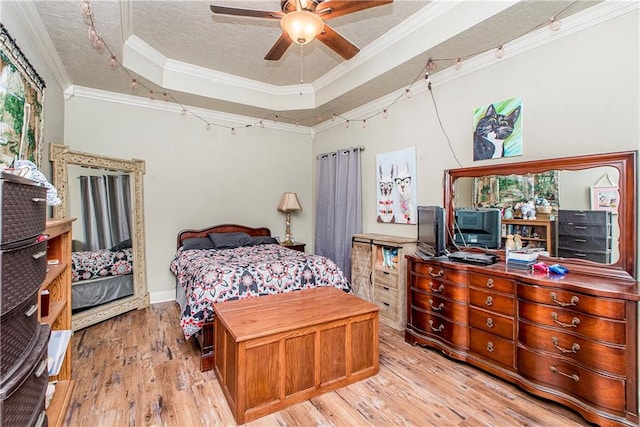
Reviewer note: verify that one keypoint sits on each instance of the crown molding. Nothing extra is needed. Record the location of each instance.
(211, 116)
(34, 25)
(608, 9)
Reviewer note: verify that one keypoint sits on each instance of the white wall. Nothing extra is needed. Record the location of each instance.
(53, 115)
(580, 96)
(195, 178)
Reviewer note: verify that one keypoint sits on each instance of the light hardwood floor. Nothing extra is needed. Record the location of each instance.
(137, 370)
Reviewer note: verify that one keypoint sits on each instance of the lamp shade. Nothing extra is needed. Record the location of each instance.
(302, 26)
(289, 202)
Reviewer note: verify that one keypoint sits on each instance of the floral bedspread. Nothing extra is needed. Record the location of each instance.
(209, 276)
(101, 263)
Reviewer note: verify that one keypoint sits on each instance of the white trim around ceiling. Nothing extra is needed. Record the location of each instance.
(234, 120)
(45, 46)
(580, 21)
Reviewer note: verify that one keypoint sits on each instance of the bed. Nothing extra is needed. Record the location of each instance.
(228, 262)
(99, 277)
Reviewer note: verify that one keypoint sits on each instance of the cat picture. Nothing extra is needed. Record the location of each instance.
(493, 129)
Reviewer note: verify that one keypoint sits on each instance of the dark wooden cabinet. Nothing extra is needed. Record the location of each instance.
(571, 339)
(296, 246)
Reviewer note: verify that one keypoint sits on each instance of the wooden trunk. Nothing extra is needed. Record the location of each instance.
(277, 350)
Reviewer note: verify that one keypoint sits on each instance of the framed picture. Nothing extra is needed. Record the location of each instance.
(396, 186)
(605, 198)
(497, 129)
(21, 102)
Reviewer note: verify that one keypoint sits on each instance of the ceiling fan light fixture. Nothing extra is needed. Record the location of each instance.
(302, 26)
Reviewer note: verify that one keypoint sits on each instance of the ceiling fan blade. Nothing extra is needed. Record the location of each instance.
(245, 12)
(333, 8)
(337, 42)
(279, 48)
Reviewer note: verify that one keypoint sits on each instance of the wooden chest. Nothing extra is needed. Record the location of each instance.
(277, 350)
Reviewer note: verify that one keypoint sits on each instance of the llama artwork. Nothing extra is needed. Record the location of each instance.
(403, 185)
(395, 174)
(385, 204)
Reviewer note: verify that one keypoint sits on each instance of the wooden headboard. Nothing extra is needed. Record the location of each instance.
(223, 228)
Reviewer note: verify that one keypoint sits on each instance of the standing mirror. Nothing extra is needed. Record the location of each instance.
(108, 260)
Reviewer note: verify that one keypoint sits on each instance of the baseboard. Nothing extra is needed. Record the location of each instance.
(162, 296)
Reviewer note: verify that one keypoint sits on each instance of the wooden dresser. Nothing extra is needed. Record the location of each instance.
(571, 339)
(378, 272)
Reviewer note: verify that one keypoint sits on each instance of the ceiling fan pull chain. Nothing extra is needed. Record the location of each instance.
(301, 63)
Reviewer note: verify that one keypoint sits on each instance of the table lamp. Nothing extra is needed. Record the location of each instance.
(289, 203)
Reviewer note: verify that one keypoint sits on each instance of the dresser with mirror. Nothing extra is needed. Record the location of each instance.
(570, 338)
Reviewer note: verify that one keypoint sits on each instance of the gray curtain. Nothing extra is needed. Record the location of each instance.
(106, 210)
(338, 205)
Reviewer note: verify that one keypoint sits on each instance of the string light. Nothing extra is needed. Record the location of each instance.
(99, 44)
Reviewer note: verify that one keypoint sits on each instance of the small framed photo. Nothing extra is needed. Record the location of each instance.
(605, 198)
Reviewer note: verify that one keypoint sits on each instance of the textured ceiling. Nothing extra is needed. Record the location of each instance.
(187, 33)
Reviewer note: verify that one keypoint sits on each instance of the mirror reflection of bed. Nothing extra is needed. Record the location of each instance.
(102, 258)
(108, 258)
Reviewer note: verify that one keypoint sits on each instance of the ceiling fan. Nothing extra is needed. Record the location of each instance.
(303, 20)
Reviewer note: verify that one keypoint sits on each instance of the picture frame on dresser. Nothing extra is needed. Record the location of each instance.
(605, 198)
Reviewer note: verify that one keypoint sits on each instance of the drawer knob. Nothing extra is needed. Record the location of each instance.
(574, 322)
(39, 255)
(38, 200)
(31, 310)
(438, 329)
(489, 322)
(490, 283)
(574, 348)
(573, 301)
(438, 308)
(574, 377)
(489, 301)
(440, 288)
(490, 347)
(438, 274)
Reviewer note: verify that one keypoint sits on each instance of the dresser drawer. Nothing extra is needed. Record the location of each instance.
(24, 208)
(598, 306)
(492, 347)
(491, 301)
(432, 325)
(595, 355)
(573, 379)
(499, 284)
(437, 272)
(597, 328)
(442, 306)
(22, 394)
(23, 271)
(385, 293)
(388, 279)
(388, 309)
(584, 217)
(583, 244)
(19, 329)
(603, 257)
(582, 230)
(491, 322)
(440, 287)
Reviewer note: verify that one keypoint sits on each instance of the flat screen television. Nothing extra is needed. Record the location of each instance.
(431, 230)
(477, 227)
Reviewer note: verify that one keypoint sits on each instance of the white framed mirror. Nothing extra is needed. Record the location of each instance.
(119, 284)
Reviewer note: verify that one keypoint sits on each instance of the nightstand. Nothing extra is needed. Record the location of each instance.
(296, 246)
